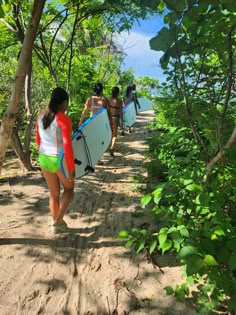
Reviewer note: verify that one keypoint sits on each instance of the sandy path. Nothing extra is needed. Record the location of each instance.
(89, 271)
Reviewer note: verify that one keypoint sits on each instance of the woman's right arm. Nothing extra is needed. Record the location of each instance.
(86, 108)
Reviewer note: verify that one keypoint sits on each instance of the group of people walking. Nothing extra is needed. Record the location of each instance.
(114, 106)
(53, 136)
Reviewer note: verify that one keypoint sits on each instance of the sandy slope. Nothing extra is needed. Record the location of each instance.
(88, 271)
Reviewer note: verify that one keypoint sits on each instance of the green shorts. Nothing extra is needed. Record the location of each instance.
(49, 163)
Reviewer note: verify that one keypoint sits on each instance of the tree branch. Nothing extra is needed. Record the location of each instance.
(230, 77)
(220, 154)
(55, 35)
(71, 47)
(8, 25)
(186, 101)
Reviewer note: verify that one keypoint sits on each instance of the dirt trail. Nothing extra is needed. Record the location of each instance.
(88, 272)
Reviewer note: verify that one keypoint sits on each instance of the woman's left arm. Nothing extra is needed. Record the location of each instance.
(37, 134)
(65, 124)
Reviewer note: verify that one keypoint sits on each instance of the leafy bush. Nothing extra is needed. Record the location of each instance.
(197, 216)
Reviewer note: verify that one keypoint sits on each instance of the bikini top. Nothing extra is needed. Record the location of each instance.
(114, 109)
(96, 106)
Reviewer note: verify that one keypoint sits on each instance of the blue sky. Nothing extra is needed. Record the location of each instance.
(135, 45)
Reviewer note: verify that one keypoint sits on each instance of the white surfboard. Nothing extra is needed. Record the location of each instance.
(145, 104)
(129, 115)
(90, 141)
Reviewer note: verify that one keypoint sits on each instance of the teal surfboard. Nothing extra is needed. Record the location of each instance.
(129, 115)
(90, 141)
(145, 104)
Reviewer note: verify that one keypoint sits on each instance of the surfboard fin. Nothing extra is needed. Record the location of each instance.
(79, 137)
(78, 162)
(89, 168)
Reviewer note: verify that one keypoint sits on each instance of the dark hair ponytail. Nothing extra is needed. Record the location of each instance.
(58, 96)
(98, 88)
(129, 90)
(115, 92)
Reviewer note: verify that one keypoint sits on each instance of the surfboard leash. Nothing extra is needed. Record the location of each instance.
(89, 167)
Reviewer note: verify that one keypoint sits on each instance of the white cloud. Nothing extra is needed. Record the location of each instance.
(139, 55)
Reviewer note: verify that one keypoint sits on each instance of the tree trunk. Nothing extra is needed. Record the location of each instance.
(23, 151)
(30, 120)
(17, 147)
(12, 110)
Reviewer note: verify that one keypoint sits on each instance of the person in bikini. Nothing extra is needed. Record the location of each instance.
(53, 137)
(115, 109)
(135, 99)
(130, 96)
(94, 103)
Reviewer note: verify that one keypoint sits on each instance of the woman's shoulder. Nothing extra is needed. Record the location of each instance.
(63, 117)
(89, 100)
(41, 113)
(106, 99)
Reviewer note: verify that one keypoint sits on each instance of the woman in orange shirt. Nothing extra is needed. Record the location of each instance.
(53, 135)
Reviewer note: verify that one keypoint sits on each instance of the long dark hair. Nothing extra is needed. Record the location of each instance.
(115, 92)
(58, 96)
(98, 88)
(128, 90)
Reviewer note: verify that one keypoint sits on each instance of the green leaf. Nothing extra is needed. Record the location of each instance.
(144, 233)
(219, 231)
(203, 308)
(184, 232)
(194, 264)
(1, 12)
(123, 234)
(134, 233)
(205, 210)
(152, 246)
(190, 280)
(186, 252)
(162, 238)
(146, 199)
(210, 260)
(232, 262)
(193, 187)
(169, 290)
(164, 230)
(129, 242)
(176, 5)
(157, 195)
(203, 200)
(140, 245)
(166, 246)
(214, 237)
(187, 182)
(180, 295)
(204, 298)
(172, 229)
(162, 41)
